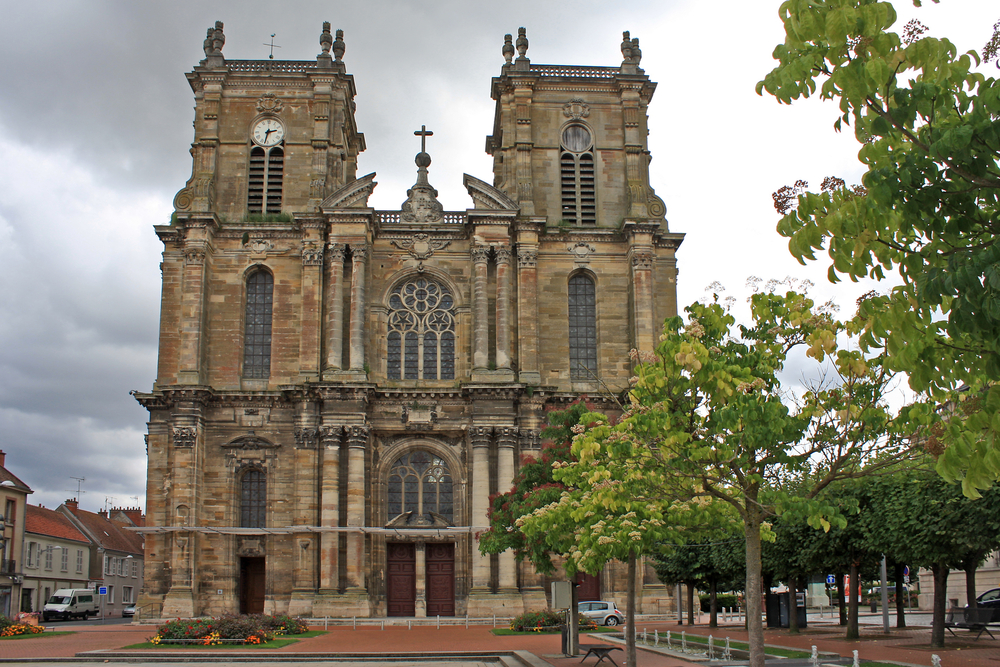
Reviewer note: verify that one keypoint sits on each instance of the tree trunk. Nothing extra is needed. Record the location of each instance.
(793, 610)
(691, 604)
(713, 610)
(630, 657)
(841, 600)
(970, 583)
(901, 595)
(755, 628)
(852, 602)
(574, 618)
(940, 604)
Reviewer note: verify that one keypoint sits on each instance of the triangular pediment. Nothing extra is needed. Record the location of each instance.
(485, 196)
(352, 195)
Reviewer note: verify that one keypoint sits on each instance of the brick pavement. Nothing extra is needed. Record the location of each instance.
(908, 646)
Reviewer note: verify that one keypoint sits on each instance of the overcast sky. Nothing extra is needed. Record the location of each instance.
(95, 127)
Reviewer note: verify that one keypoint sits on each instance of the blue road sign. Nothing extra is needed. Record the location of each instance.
(831, 579)
(103, 590)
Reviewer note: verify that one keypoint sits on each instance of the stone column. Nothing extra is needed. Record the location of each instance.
(359, 254)
(480, 316)
(310, 332)
(420, 606)
(329, 515)
(480, 438)
(642, 285)
(503, 307)
(527, 315)
(506, 441)
(357, 443)
(305, 492)
(334, 295)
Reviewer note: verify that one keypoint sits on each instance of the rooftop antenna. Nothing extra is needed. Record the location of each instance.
(272, 45)
(79, 486)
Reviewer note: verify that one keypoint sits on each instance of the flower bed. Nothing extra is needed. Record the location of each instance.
(247, 629)
(546, 621)
(9, 628)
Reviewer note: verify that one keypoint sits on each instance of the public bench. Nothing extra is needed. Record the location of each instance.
(974, 620)
(601, 651)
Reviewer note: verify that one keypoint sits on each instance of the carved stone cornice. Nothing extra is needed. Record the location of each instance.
(250, 441)
(485, 196)
(493, 392)
(352, 195)
(175, 395)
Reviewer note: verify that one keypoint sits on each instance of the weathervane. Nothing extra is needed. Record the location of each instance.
(272, 45)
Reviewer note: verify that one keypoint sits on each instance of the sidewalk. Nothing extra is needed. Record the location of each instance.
(908, 646)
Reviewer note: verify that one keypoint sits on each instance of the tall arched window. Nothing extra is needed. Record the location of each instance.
(421, 336)
(257, 330)
(419, 484)
(579, 204)
(253, 499)
(267, 166)
(582, 328)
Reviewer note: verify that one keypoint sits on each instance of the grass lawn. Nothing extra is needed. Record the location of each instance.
(43, 634)
(274, 643)
(720, 645)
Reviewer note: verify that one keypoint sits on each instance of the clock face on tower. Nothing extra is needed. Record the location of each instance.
(268, 132)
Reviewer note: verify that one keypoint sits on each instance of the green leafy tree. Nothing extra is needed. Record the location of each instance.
(928, 125)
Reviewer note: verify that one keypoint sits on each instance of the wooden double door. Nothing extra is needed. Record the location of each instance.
(438, 578)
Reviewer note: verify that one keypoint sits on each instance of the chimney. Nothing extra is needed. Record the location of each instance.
(3, 457)
(72, 505)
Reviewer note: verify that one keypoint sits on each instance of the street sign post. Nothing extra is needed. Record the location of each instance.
(831, 579)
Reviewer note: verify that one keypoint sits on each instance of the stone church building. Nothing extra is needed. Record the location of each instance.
(340, 389)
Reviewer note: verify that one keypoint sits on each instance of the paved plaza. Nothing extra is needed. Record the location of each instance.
(458, 646)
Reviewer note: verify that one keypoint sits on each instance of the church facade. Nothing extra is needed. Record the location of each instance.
(340, 389)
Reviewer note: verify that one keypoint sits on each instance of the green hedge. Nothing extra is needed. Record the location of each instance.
(723, 600)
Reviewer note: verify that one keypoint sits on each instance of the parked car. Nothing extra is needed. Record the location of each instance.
(603, 613)
(990, 598)
(128, 611)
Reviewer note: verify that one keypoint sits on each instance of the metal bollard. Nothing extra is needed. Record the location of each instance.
(355, 622)
(383, 626)
(408, 625)
(684, 641)
(727, 654)
(326, 622)
(644, 635)
(656, 637)
(711, 646)
(814, 657)
(669, 645)
(466, 621)
(439, 621)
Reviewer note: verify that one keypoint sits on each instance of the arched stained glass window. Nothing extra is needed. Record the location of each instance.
(420, 484)
(257, 330)
(421, 336)
(582, 328)
(253, 499)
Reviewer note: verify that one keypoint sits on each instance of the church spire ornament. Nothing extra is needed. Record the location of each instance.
(421, 203)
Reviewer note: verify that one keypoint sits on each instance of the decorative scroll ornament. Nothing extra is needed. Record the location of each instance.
(527, 259)
(269, 103)
(185, 436)
(503, 254)
(421, 246)
(194, 257)
(642, 260)
(258, 246)
(306, 438)
(312, 256)
(581, 252)
(576, 109)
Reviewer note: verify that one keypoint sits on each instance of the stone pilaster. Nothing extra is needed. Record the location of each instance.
(503, 308)
(480, 437)
(192, 320)
(329, 543)
(480, 316)
(506, 443)
(359, 254)
(310, 332)
(357, 444)
(641, 260)
(334, 294)
(527, 315)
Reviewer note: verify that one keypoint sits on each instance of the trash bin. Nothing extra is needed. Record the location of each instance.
(777, 611)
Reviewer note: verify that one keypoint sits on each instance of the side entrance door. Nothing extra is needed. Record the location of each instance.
(252, 585)
(401, 579)
(440, 579)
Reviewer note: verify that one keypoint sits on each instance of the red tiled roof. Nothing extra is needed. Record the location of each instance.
(47, 522)
(8, 476)
(107, 534)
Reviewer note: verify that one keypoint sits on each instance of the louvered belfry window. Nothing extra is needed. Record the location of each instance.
(253, 499)
(579, 202)
(421, 336)
(257, 331)
(582, 328)
(267, 166)
(419, 482)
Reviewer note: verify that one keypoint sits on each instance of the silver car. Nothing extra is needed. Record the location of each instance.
(603, 613)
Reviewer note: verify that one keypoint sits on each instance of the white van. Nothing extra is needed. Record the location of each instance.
(67, 603)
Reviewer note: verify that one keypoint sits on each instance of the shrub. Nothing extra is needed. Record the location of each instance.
(252, 629)
(9, 628)
(724, 600)
(540, 621)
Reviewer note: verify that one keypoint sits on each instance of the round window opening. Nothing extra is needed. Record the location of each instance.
(576, 138)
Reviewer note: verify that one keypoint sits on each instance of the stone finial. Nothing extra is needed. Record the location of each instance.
(326, 39)
(636, 52)
(626, 48)
(209, 49)
(508, 48)
(338, 46)
(218, 39)
(522, 43)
